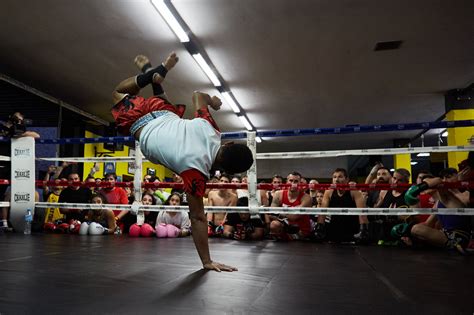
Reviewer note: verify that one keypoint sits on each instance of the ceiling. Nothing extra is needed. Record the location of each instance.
(290, 64)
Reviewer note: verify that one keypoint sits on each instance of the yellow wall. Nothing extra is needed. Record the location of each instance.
(121, 168)
(459, 136)
(403, 161)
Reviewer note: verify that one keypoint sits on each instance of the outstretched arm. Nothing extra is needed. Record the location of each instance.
(199, 228)
(201, 102)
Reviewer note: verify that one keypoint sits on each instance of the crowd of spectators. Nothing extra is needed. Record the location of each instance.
(414, 231)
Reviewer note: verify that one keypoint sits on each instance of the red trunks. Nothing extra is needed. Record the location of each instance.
(194, 182)
(130, 108)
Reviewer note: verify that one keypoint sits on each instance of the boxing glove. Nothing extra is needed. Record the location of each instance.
(411, 196)
(146, 230)
(74, 226)
(84, 228)
(172, 231)
(134, 230)
(161, 230)
(97, 229)
(49, 227)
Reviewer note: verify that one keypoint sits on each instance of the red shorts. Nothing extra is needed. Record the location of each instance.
(130, 108)
(194, 182)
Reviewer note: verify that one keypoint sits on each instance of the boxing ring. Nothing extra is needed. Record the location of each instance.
(49, 273)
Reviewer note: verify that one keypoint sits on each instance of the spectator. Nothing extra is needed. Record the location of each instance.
(260, 194)
(74, 194)
(173, 223)
(235, 180)
(422, 175)
(205, 200)
(146, 229)
(291, 226)
(241, 226)
(220, 198)
(91, 180)
(104, 217)
(313, 193)
(456, 229)
(158, 193)
(276, 180)
(53, 214)
(115, 195)
(179, 179)
(150, 216)
(342, 228)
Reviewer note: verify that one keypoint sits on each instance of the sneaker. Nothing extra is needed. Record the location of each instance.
(362, 237)
(319, 233)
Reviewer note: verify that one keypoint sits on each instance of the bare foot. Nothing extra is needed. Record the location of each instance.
(140, 61)
(171, 61)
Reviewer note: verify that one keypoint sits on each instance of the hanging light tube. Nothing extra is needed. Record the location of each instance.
(170, 19)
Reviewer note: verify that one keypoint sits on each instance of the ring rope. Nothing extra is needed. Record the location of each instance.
(295, 210)
(292, 155)
(351, 129)
(386, 151)
(263, 186)
(91, 159)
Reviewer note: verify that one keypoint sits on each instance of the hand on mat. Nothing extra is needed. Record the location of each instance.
(218, 267)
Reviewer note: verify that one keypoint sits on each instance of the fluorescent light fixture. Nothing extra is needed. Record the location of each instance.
(413, 162)
(422, 154)
(207, 70)
(246, 123)
(170, 19)
(258, 139)
(392, 170)
(229, 100)
(444, 134)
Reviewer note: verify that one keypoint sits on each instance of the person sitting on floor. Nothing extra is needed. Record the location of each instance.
(173, 223)
(243, 226)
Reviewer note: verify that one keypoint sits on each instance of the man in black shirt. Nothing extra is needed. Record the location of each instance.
(243, 226)
(75, 194)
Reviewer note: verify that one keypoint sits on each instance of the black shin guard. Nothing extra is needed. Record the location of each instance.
(146, 78)
(157, 89)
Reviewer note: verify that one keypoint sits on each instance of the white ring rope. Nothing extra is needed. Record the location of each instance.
(336, 153)
(295, 210)
(5, 158)
(92, 159)
(291, 155)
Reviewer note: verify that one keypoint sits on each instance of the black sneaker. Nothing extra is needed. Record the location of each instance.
(319, 233)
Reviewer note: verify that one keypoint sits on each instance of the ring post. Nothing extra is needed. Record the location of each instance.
(137, 182)
(252, 174)
(22, 180)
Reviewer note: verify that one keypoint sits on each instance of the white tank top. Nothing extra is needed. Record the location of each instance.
(180, 144)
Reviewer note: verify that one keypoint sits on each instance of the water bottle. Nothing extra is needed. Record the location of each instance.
(28, 220)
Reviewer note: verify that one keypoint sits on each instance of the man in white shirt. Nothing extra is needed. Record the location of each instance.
(191, 148)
